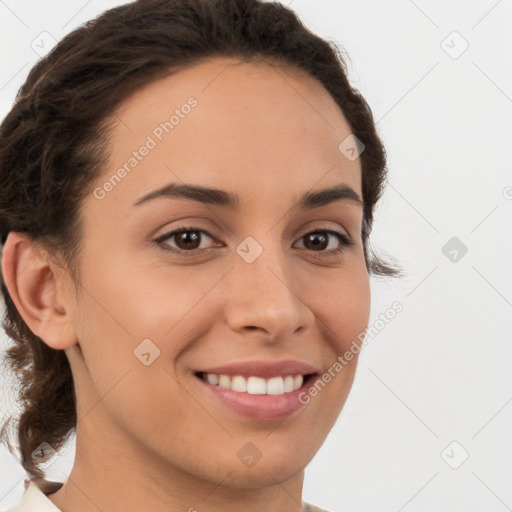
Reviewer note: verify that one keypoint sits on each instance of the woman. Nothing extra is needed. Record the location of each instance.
(188, 190)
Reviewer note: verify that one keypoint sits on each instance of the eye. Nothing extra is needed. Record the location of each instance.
(186, 237)
(320, 239)
(188, 240)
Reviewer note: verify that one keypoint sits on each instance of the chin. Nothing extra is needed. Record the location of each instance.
(262, 475)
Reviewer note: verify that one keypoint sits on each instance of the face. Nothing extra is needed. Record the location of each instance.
(267, 281)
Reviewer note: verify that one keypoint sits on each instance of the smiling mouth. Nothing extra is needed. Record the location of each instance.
(254, 385)
(256, 398)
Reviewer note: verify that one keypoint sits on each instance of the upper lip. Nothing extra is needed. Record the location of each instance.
(262, 368)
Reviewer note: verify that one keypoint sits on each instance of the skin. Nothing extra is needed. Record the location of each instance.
(148, 438)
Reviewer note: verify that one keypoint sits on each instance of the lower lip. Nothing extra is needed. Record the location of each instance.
(258, 407)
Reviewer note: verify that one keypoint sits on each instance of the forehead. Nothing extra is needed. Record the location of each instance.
(232, 125)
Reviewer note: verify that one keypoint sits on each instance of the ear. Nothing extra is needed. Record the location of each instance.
(36, 286)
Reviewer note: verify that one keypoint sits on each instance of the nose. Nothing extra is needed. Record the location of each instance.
(265, 296)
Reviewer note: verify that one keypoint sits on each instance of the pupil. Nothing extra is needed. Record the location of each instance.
(315, 239)
(187, 237)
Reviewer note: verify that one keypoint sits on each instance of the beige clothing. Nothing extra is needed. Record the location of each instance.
(34, 498)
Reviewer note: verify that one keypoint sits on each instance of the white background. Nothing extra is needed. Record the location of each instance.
(440, 371)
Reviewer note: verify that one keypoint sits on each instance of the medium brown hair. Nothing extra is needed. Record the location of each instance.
(54, 144)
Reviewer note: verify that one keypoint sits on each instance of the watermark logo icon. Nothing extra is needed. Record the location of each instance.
(146, 352)
(249, 454)
(43, 43)
(454, 249)
(249, 249)
(351, 147)
(454, 45)
(43, 454)
(455, 455)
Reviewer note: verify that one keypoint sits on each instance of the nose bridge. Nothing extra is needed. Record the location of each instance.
(263, 294)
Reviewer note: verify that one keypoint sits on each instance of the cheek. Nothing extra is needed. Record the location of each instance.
(341, 303)
(141, 299)
(121, 308)
(344, 308)
(125, 353)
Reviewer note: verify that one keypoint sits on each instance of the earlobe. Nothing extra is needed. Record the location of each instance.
(32, 282)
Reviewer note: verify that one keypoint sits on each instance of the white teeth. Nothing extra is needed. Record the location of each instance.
(239, 384)
(256, 385)
(224, 381)
(288, 383)
(275, 386)
(212, 378)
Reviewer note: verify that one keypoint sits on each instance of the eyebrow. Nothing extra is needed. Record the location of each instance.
(217, 197)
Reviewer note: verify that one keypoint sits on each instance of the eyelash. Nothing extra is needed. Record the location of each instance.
(345, 240)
